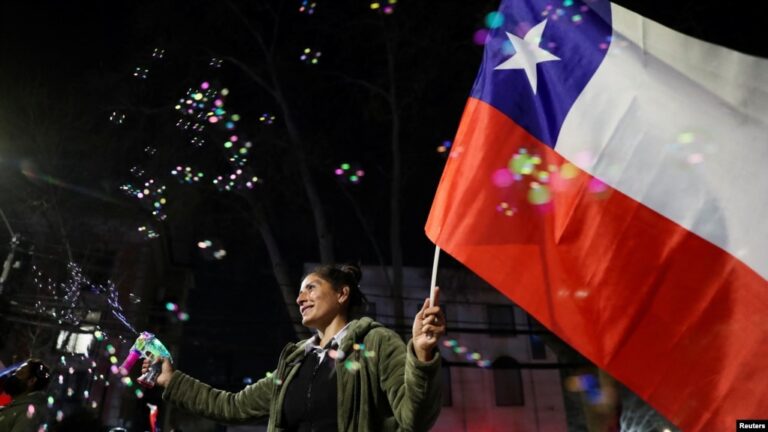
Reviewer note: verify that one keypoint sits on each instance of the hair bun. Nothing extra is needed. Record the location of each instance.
(354, 271)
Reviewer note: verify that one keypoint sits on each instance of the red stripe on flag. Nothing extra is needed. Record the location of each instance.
(672, 316)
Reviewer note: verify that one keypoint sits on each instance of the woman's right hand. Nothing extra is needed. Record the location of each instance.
(167, 371)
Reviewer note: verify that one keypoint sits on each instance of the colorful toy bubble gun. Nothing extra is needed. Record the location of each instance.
(147, 346)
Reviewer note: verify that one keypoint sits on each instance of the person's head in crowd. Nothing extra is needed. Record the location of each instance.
(32, 376)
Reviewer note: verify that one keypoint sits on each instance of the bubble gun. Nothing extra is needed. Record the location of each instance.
(147, 346)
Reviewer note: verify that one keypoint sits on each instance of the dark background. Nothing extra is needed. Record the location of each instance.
(65, 66)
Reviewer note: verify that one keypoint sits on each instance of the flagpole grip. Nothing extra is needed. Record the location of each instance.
(433, 283)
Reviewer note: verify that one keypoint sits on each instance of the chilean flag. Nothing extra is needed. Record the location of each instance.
(610, 176)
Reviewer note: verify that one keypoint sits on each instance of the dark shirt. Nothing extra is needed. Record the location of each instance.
(310, 400)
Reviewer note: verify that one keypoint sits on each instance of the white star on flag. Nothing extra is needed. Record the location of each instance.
(528, 53)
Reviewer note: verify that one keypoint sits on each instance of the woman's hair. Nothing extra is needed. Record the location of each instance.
(341, 275)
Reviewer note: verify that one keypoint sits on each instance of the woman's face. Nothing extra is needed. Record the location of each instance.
(318, 302)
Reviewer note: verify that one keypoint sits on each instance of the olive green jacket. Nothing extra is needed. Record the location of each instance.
(382, 386)
(17, 416)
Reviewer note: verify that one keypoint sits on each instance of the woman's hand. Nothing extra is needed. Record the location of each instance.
(167, 371)
(428, 328)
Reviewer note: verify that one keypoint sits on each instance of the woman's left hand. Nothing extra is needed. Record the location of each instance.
(428, 328)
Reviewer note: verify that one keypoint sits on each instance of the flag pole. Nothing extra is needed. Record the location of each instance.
(433, 283)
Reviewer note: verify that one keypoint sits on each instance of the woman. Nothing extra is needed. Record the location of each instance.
(353, 375)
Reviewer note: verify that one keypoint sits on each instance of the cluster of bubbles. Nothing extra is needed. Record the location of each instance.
(152, 195)
(212, 249)
(148, 232)
(307, 7)
(310, 56)
(565, 11)
(176, 310)
(236, 180)
(267, 118)
(474, 357)
(62, 297)
(142, 71)
(215, 62)
(445, 147)
(493, 20)
(187, 174)
(350, 364)
(386, 7)
(206, 105)
(346, 172)
(117, 117)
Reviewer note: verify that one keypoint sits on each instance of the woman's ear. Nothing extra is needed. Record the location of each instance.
(343, 294)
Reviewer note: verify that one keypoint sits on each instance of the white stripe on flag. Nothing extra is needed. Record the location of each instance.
(679, 125)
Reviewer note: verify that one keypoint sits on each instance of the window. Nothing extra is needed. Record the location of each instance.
(501, 320)
(508, 382)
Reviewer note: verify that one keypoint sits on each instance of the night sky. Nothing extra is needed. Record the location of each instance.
(66, 66)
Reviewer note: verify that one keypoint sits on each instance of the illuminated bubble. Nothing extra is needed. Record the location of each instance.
(388, 10)
(695, 158)
(50, 401)
(375, 5)
(95, 404)
(447, 343)
(227, 144)
(220, 254)
(338, 171)
(158, 53)
(345, 166)
(494, 20)
(215, 62)
(538, 194)
(686, 137)
(111, 349)
(183, 316)
(481, 36)
(71, 370)
(352, 365)
(460, 350)
(113, 359)
(521, 163)
(576, 18)
(441, 149)
(59, 415)
(99, 335)
(229, 125)
(171, 307)
(596, 186)
(127, 381)
(70, 391)
(205, 85)
(484, 363)
(61, 379)
(30, 411)
(568, 171)
(139, 394)
(542, 176)
(369, 354)
(502, 177)
(236, 117)
(567, 3)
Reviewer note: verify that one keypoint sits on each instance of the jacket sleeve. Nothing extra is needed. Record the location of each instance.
(413, 387)
(23, 423)
(251, 403)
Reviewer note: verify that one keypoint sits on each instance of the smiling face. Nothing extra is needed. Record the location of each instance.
(319, 303)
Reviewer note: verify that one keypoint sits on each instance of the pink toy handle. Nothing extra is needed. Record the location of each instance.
(130, 360)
